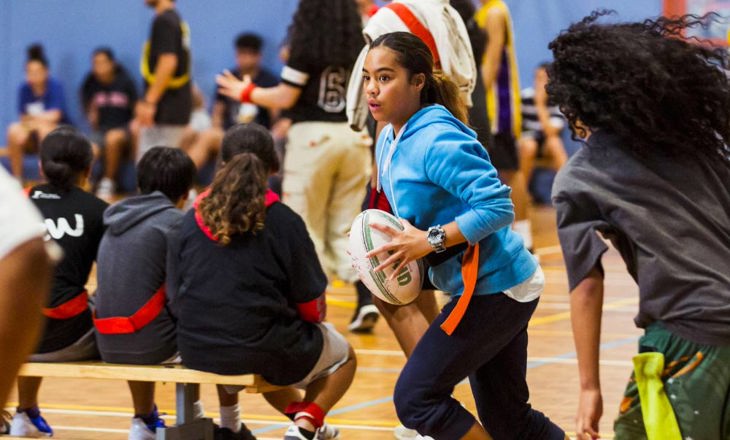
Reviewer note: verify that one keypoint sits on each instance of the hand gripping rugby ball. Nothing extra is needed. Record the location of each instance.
(402, 289)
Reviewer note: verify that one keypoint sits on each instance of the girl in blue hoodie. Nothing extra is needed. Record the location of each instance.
(457, 214)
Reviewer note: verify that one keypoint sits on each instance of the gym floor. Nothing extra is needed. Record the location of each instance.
(94, 409)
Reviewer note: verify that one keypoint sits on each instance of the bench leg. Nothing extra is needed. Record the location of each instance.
(187, 427)
(201, 429)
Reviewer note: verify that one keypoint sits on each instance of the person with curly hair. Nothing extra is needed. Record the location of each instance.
(653, 109)
(250, 293)
(326, 164)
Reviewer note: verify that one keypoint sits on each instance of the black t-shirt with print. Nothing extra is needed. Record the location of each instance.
(114, 102)
(324, 89)
(233, 106)
(167, 37)
(669, 219)
(74, 220)
(237, 303)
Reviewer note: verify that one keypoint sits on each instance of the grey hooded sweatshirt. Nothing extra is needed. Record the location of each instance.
(131, 267)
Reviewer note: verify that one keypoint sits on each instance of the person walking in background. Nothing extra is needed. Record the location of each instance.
(327, 164)
(108, 96)
(165, 108)
(41, 108)
(502, 84)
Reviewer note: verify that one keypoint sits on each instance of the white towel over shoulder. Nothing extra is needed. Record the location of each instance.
(452, 42)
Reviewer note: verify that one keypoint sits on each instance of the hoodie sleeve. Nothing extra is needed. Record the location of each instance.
(458, 163)
(172, 275)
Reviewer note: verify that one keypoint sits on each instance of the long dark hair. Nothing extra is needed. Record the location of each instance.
(646, 83)
(326, 32)
(416, 57)
(236, 202)
(65, 156)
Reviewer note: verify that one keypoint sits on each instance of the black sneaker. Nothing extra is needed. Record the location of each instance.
(227, 434)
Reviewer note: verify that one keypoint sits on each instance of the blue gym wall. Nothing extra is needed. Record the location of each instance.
(70, 29)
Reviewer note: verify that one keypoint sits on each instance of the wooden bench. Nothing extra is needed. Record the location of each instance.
(187, 383)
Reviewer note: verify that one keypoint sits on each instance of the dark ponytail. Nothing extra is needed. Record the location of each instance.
(416, 57)
(36, 53)
(65, 156)
(236, 202)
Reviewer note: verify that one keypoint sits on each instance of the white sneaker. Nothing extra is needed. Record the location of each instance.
(402, 433)
(327, 432)
(106, 189)
(23, 426)
(140, 431)
(365, 319)
(293, 433)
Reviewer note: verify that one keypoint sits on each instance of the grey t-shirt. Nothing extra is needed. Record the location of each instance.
(669, 219)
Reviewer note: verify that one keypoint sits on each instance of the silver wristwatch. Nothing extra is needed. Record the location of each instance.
(437, 238)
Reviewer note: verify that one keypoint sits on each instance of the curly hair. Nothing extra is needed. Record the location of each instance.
(236, 201)
(659, 92)
(326, 32)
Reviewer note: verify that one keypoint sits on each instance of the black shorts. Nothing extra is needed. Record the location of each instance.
(503, 152)
(539, 138)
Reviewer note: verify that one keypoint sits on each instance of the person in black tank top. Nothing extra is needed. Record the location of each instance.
(326, 163)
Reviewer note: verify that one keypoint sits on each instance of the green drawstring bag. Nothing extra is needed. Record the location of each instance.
(659, 419)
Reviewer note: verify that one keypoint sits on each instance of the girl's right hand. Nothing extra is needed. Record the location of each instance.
(590, 410)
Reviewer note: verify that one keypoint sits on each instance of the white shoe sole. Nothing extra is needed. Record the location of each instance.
(366, 319)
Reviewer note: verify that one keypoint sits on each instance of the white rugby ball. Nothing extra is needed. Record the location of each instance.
(402, 289)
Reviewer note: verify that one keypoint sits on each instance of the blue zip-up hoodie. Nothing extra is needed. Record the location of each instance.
(440, 173)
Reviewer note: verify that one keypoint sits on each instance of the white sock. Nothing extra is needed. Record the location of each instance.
(231, 418)
(524, 228)
(198, 410)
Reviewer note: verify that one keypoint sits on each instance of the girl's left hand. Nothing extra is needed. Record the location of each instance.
(230, 86)
(405, 246)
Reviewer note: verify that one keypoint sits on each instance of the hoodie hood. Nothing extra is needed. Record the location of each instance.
(126, 214)
(434, 114)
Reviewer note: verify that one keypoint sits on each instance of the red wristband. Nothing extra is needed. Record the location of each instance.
(246, 93)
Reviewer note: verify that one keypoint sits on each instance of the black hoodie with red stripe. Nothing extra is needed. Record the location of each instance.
(237, 304)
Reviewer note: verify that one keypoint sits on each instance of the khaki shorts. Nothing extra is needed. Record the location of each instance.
(159, 136)
(335, 353)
